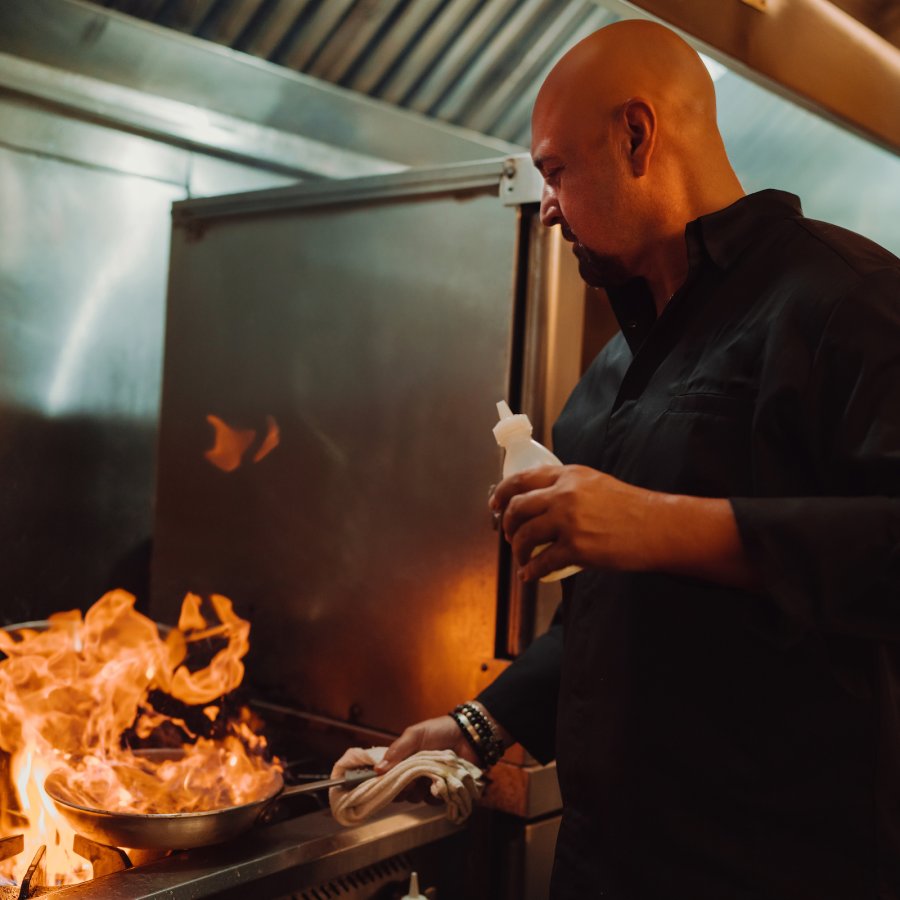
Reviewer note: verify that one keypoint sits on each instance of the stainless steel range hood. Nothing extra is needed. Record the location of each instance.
(807, 93)
(478, 65)
(809, 51)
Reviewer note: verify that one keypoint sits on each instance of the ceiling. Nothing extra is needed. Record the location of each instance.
(472, 63)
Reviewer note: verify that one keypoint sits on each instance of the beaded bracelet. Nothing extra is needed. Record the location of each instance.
(479, 732)
(485, 758)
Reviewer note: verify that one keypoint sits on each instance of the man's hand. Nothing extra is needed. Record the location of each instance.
(441, 733)
(588, 519)
(593, 520)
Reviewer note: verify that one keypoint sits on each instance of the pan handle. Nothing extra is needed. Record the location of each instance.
(350, 779)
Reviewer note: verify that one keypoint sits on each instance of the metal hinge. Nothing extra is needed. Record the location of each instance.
(520, 181)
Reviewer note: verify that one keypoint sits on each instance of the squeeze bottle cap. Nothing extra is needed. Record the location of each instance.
(510, 427)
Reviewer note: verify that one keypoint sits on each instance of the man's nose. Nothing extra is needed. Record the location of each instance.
(550, 212)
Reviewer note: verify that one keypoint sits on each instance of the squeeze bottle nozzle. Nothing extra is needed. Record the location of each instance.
(413, 888)
(510, 428)
(513, 433)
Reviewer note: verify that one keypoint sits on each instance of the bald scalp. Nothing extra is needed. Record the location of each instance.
(624, 134)
(628, 60)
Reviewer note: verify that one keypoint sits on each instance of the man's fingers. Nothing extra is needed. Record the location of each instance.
(524, 508)
(522, 482)
(548, 560)
(408, 743)
(496, 516)
(532, 534)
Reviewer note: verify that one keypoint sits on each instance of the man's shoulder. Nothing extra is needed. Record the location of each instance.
(815, 266)
(859, 254)
(828, 279)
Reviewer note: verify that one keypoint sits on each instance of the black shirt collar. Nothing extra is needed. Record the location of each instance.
(726, 232)
(719, 237)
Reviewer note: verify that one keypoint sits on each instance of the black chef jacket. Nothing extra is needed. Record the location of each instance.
(712, 743)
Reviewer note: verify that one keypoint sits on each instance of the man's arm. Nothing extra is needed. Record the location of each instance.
(520, 702)
(829, 560)
(593, 520)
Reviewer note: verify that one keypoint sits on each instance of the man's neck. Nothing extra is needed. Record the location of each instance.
(665, 266)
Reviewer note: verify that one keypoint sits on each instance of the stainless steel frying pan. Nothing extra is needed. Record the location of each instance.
(180, 831)
(173, 831)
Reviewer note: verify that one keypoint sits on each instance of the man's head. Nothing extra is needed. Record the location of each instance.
(624, 133)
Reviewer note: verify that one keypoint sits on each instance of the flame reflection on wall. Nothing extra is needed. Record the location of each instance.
(231, 444)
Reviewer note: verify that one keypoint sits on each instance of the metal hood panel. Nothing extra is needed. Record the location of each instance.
(808, 50)
(478, 63)
(99, 54)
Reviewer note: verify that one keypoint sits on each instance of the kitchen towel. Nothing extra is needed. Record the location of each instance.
(453, 780)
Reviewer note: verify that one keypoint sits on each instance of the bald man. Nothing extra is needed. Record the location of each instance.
(721, 689)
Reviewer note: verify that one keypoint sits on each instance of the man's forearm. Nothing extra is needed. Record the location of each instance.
(698, 537)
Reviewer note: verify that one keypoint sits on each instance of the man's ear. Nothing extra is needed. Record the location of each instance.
(640, 120)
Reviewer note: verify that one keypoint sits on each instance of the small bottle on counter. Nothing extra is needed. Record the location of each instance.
(513, 433)
(413, 889)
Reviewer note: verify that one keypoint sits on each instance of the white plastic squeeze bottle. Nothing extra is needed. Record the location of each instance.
(513, 434)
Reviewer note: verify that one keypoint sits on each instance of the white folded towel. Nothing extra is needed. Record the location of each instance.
(455, 781)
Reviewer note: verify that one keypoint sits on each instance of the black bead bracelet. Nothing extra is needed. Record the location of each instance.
(479, 732)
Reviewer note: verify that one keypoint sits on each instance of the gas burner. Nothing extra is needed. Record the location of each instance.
(300, 852)
(35, 880)
(104, 861)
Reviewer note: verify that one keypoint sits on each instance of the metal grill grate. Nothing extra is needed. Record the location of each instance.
(363, 883)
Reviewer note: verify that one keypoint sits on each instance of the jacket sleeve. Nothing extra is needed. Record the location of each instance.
(523, 698)
(832, 561)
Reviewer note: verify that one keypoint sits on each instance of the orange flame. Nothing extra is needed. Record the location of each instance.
(69, 694)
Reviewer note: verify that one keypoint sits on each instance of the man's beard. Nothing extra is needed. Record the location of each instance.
(598, 271)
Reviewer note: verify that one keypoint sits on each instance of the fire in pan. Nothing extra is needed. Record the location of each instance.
(179, 831)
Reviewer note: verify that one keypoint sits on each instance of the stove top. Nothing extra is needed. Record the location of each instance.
(300, 847)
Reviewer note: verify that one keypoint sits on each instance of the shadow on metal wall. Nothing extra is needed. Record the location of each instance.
(75, 515)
